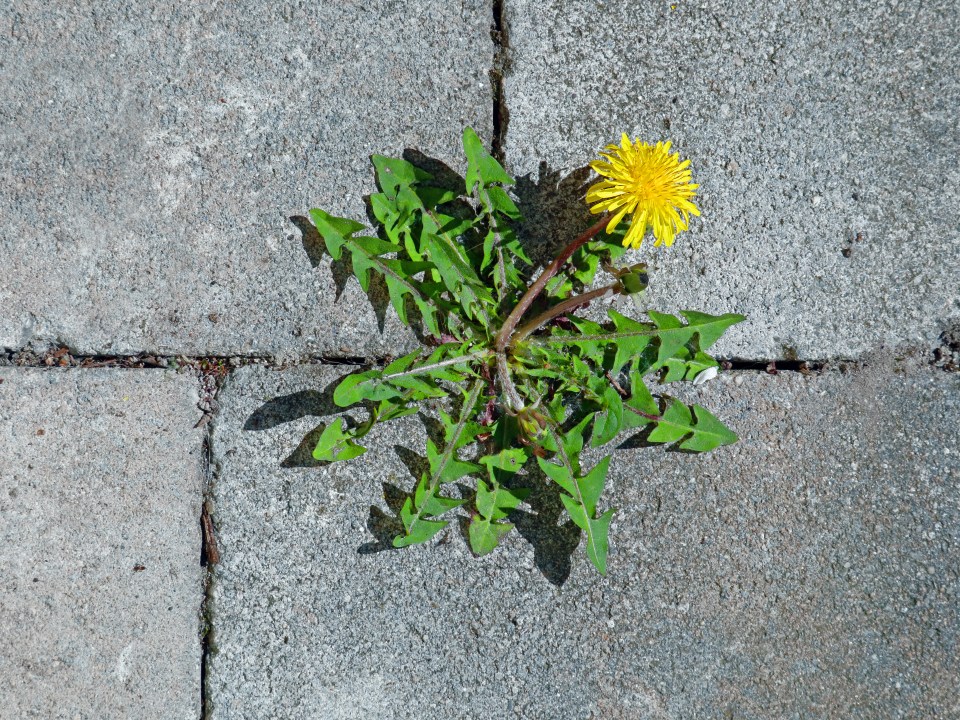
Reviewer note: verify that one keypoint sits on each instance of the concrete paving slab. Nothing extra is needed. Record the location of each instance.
(812, 570)
(154, 153)
(100, 577)
(824, 137)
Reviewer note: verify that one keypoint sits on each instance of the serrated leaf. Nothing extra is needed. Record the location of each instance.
(335, 231)
(396, 173)
(630, 338)
(569, 444)
(710, 327)
(687, 365)
(510, 460)
(559, 474)
(672, 334)
(597, 532)
(675, 423)
(609, 422)
(706, 431)
(709, 432)
(434, 505)
(485, 534)
(591, 485)
(445, 467)
(482, 168)
(598, 550)
(503, 203)
(582, 494)
(418, 529)
(367, 253)
(457, 274)
(495, 501)
(641, 407)
(360, 386)
(335, 444)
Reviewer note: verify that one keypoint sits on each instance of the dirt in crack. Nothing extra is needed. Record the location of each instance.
(501, 61)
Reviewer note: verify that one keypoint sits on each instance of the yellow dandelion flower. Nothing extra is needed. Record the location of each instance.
(647, 182)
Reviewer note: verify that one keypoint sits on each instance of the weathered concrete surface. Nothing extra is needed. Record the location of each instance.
(100, 577)
(812, 570)
(824, 137)
(153, 153)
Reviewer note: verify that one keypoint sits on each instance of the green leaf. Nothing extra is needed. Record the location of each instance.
(705, 432)
(609, 422)
(502, 203)
(445, 467)
(674, 335)
(510, 460)
(362, 386)
(335, 231)
(450, 362)
(485, 534)
(335, 444)
(710, 327)
(630, 338)
(482, 168)
(457, 274)
(367, 254)
(686, 365)
(708, 433)
(582, 493)
(560, 474)
(418, 529)
(597, 531)
(394, 174)
(493, 503)
(642, 408)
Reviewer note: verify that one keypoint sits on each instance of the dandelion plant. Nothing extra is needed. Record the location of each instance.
(514, 372)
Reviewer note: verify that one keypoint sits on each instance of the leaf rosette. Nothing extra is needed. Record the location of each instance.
(517, 379)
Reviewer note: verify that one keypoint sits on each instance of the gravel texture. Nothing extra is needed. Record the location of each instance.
(825, 139)
(153, 154)
(100, 577)
(812, 570)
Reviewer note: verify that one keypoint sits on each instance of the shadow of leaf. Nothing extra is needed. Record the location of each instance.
(312, 242)
(313, 245)
(553, 543)
(554, 211)
(342, 269)
(287, 408)
(416, 464)
(443, 175)
(383, 526)
(302, 457)
(639, 440)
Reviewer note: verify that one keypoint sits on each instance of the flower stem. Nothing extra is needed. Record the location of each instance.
(503, 337)
(563, 308)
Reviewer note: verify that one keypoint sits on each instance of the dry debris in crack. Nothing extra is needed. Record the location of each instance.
(947, 356)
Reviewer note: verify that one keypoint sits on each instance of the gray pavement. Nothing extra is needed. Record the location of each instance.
(825, 138)
(812, 570)
(100, 577)
(154, 153)
(154, 159)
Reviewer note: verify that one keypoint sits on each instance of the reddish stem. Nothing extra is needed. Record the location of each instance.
(503, 337)
(563, 308)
